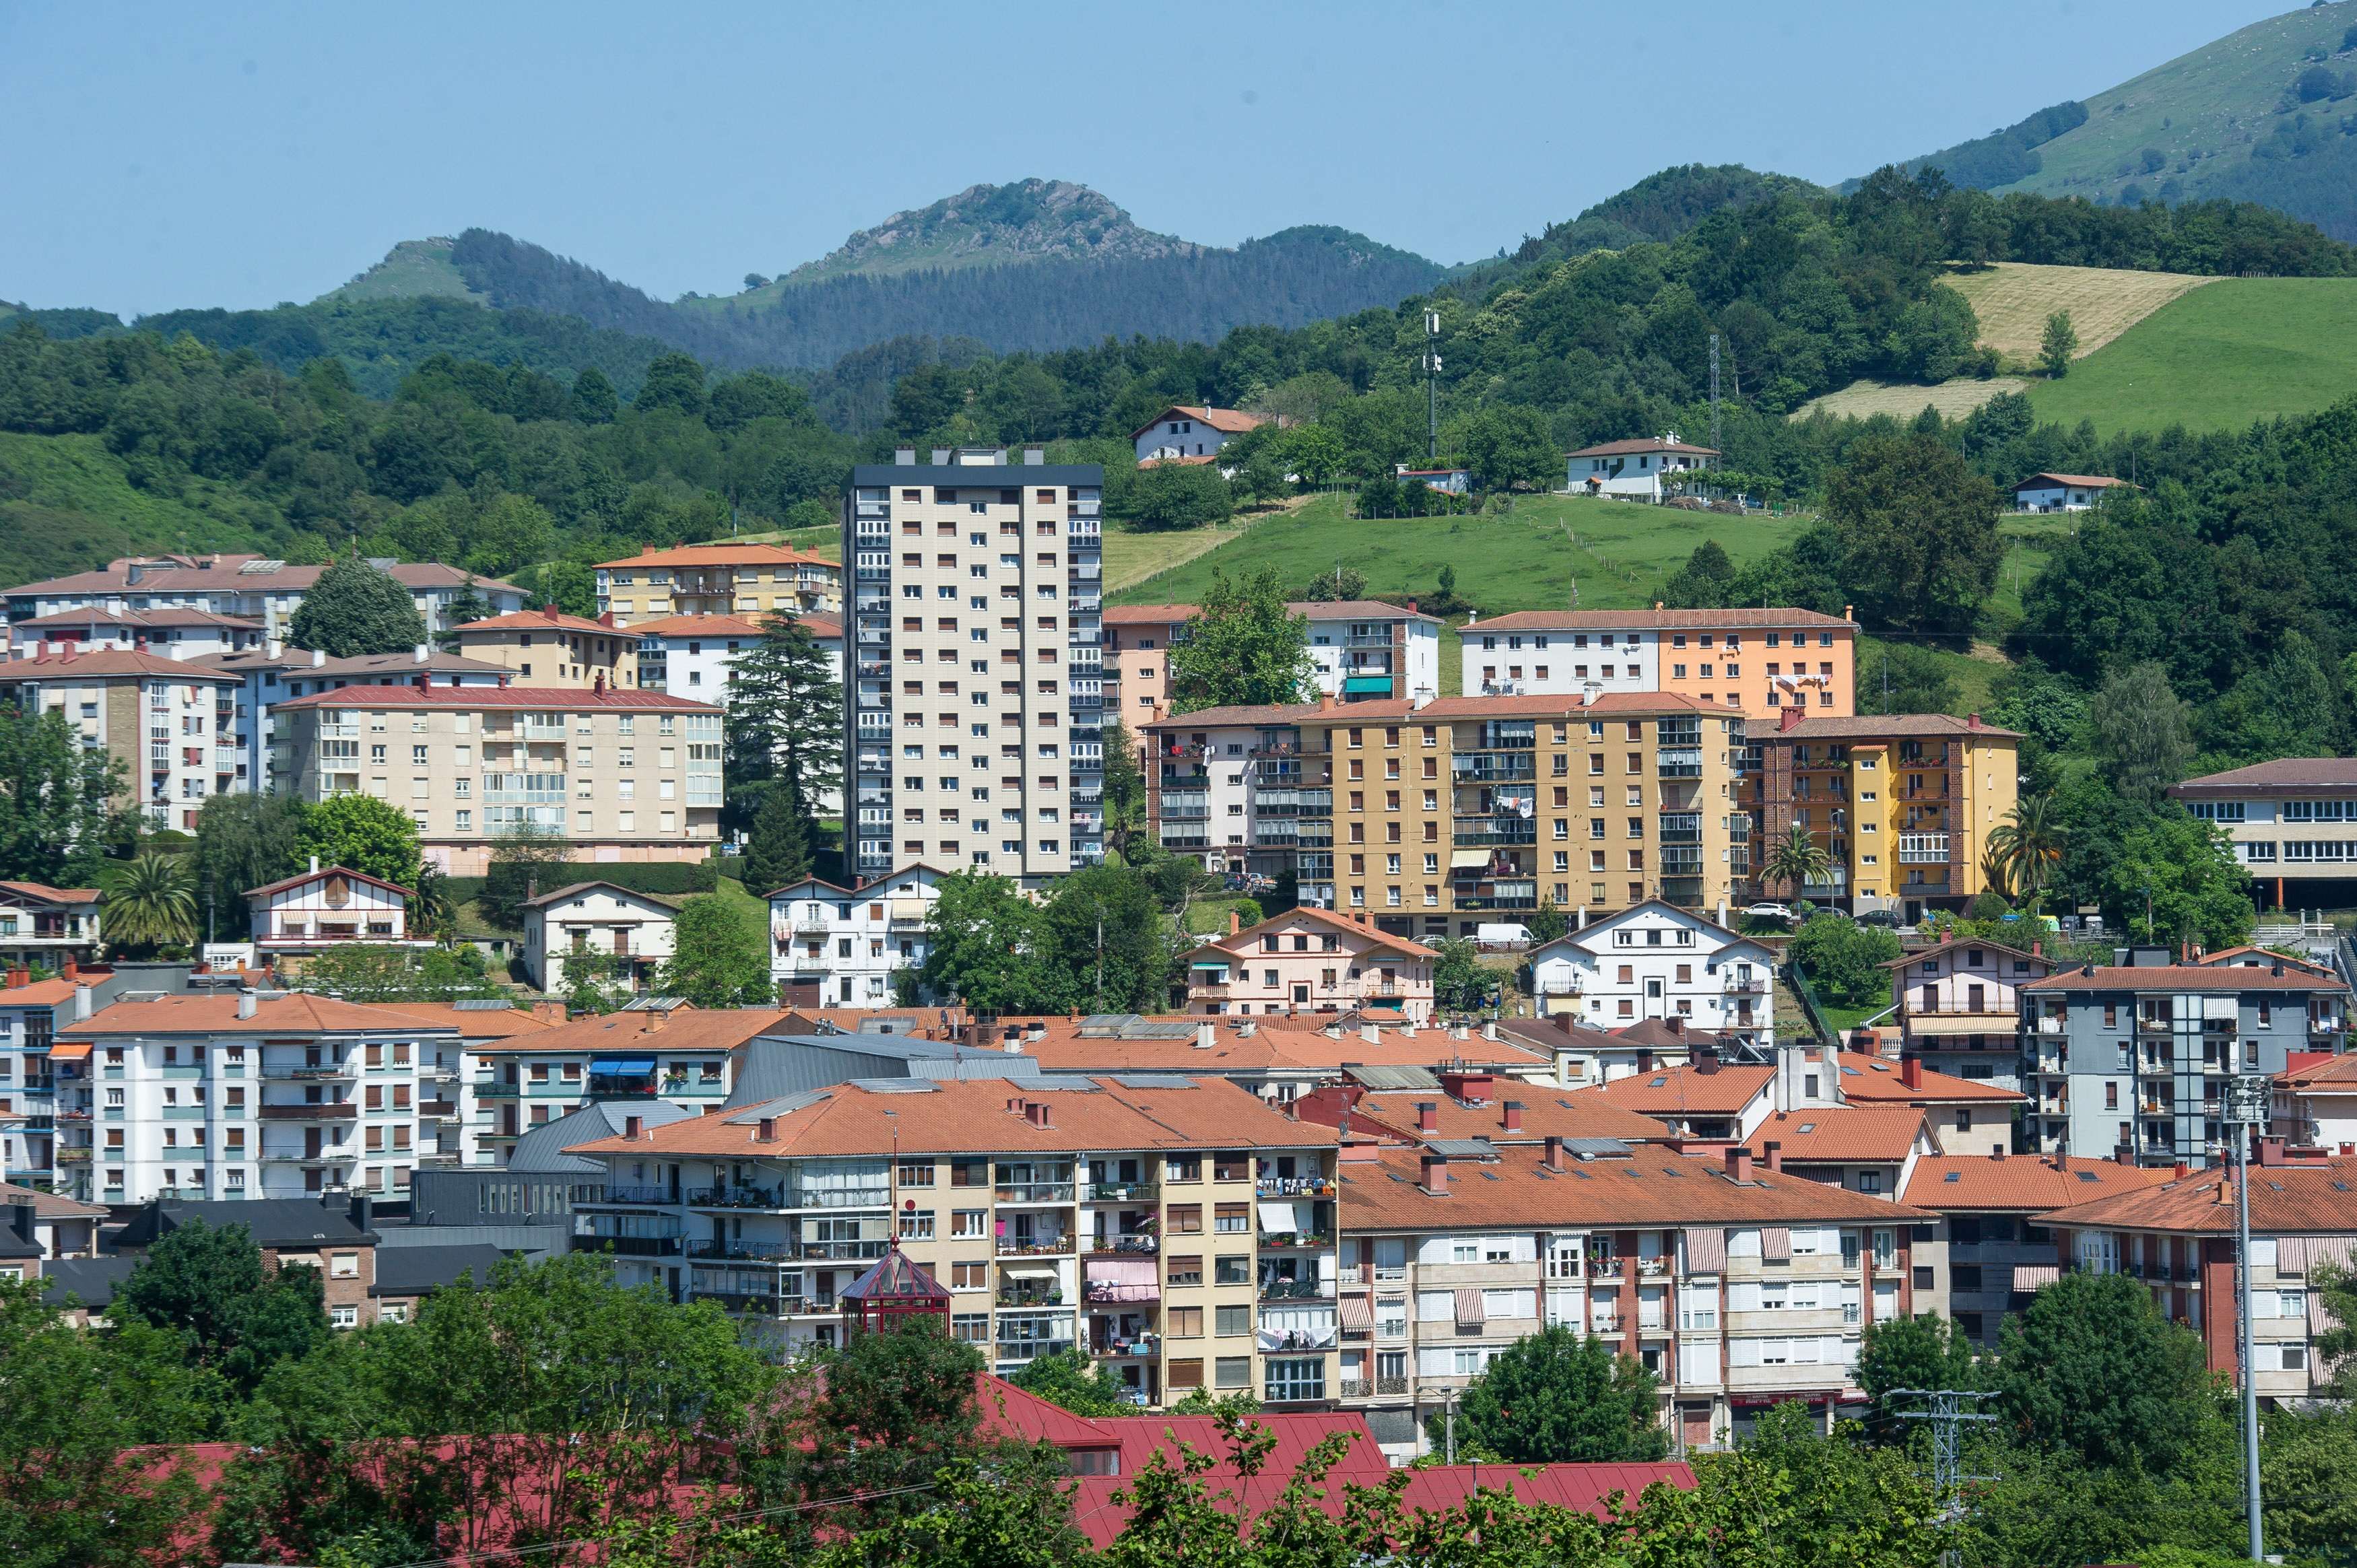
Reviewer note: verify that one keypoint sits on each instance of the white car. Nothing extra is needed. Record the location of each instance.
(1768, 912)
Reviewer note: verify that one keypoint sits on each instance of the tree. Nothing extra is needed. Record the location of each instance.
(1796, 861)
(2029, 844)
(571, 586)
(1342, 583)
(1459, 983)
(1902, 678)
(525, 862)
(1179, 495)
(1704, 582)
(1557, 1398)
(1509, 447)
(1916, 530)
(2056, 346)
(354, 609)
(720, 957)
(783, 728)
(2183, 871)
(1547, 922)
(362, 833)
(1245, 649)
(672, 380)
(61, 803)
(242, 841)
(2093, 1369)
(2141, 739)
(466, 606)
(1076, 1383)
(2287, 706)
(379, 972)
(779, 850)
(991, 948)
(1844, 959)
(1107, 932)
(210, 1283)
(1921, 1352)
(1124, 792)
(593, 400)
(151, 903)
(898, 1405)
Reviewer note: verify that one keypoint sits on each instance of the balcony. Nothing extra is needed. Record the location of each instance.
(329, 1110)
(1679, 764)
(1923, 849)
(632, 1246)
(1128, 1243)
(1297, 1242)
(1280, 1289)
(313, 1158)
(1478, 830)
(1035, 1247)
(310, 1072)
(1294, 1187)
(1034, 1192)
(1123, 1191)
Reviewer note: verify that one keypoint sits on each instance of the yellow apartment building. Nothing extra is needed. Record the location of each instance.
(548, 647)
(721, 578)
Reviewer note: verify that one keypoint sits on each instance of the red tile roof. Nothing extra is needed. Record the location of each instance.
(1232, 421)
(2083, 482)
(1869, 1080)
(321, 875)
(2310, 1198)
(544, 619)
(1247, 941)
(105, 662)
(2020, 1184)
(2284, 773)
(44, 892)
(2181, 977)
(1545, 1114)
(724, 553)
(1661, 619)
(549, 699)
(822, 628)
(680, 1029)
(295, 1013)
(1725, 1091)
(1873, 727)
(1642, 444)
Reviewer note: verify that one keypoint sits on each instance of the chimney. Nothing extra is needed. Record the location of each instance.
(2038, 948)
(1427, 1116)
(1703, 1059)
(1372, 1032)
(81, 1003)
(318, 657)
(20, 1220)
(247, 1003)
(632, 1127)
(71, 970)
(1207, 1034)
(1511, 1117)
(765, 1131)
(1847, 612)
(1436, 1174)
(1325, 701)
(904, 456)
(1034, 456)
(315, 866)
(1567, 1021)
(656, 1019)
(1036, 1112)
(273, 648)
(1236, 922)
(17, 978)
(1553, 1158)
(941, 456)
(2124, 1154)
(1411, 606)
(2271, 1153)
(1772, 1151)
(1489, 1028)
(1738, 1165)
(418, 653)
(1789, 718)
(1911, 1073)
(1971, 721)
(363, 1210)
(2180, 1171)
(1644, 1060)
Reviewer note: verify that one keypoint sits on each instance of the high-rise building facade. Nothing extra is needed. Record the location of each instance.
(972, 732)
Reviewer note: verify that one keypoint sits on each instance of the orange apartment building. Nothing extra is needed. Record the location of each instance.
(1756, 663)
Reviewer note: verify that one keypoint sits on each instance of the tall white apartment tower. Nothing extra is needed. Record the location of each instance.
(976, 677)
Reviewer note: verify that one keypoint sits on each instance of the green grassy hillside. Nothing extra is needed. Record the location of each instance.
(2225, 120)
(412, 269)
(2217, 358)
(66, 505)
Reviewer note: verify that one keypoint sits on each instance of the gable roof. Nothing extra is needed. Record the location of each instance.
(865, 890)
(2179, 977)
(722, 553)
(106, 663)
(418, 1271)
(679, 1029)
(285, 1013)
(550, 698)
(2027, 1183)
(1629, 448)
(1951, 944)
(2313, 1198)
(1368, 933)
(43, 893)
(1844, 1135)
(574, 889)
(1231, 421)
(2080, 481)
(1669, 1092)
(2336, 1074)
(321, 875)
(1869, 1080)
(541, 1150)
(1684, 917)
(1871, 727)
(544, 619)
(493, 1020)
(291, 1222)
(1545, 1114)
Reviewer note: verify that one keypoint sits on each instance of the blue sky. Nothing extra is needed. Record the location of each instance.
(244, 154)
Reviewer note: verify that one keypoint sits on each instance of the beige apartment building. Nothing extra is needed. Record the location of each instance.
(1436, 818)
(723, 578)
(625, 775)
(1758, 663)
(1179, 1230)
(548, 647)
(975, 692)
(172, 724)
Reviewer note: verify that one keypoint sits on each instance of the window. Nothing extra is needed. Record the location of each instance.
(1232, 1270)
(1230, 1321)
(1185, 1271)
(1291, 1378)
(969, 1276)
(1185, 1322)
(343, 1317)
(344, 1265)
(910, 1174)
(1186, 1218)
(1233, 1372)
(972, 1328)
(917, 1227)
(969, 1223)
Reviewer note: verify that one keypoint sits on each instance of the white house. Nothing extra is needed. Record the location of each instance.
(2316, 1102)
(329, 907)
(1633, 470)
(1182, 431)
(597, 920)
(2064, 492)
(48, 926)
(690, 656)
(173, 631)
(1656, 960)
(838, 947)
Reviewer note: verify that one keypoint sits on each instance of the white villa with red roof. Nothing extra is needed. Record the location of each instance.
(1633, 470)
(1189, 434)
(329, 907)
(2064, 492)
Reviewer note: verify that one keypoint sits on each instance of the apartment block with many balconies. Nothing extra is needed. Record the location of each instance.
(1754, 661)
(1738, 1287)
(624, 774)
(972, 721)
(1903, 804)
(1177, 1229)
(172, 724)
(1958, 1008)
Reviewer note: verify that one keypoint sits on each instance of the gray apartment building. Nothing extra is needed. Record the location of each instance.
(2135, 1054)
(972, 733)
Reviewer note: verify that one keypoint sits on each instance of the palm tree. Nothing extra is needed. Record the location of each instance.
(151, 902)
(2029, 845)
(1796, 860)
(430, 909)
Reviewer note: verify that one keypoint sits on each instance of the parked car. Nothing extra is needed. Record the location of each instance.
(1770, 911)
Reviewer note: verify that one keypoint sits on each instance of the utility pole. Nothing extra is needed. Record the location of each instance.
(2246, 1113)
(1431, 374)
(1714, 390)
(1947, 1415)
(1448, 1406)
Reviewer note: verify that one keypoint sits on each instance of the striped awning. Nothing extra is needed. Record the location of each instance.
(1775, 1243)
(2029, 1278)
(1464, 859)
(1470, 1311)
(69, 1051)
(1705, 1250)
(1357, 1315)
(2319, 1316)
(2307, 1254)
(1952, 1024)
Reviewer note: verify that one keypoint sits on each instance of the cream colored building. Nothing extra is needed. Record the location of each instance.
(548, 647)
(971, 716)
(171, 723)
(723, 578)
(625, 775)
(595, 920)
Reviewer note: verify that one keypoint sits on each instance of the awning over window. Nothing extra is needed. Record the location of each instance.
(1952, 1025)
(1034, 1271)
(1705, 1250)
(69, 1051)
(1357, 1315)
(1210, 963)
(1122, 1279)
(2306, 1254)
(1357, 686)
(1277, 1217)
(1775, 1243)
(2029, 1278)
(621, 1067)
(1470, 1311)
(907, 908)
(1459, 859)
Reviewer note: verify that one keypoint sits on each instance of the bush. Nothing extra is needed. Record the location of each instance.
(1843, 960)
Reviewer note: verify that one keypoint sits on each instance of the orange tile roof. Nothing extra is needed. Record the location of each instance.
(683, 1028)
(42, 890)
(473, 1023)
(1651, 1188)
(948, 1117)
(2085, 481)
(548, 698)
(1724, 1091)
(2315, 1198)
(1316, 917)
(294, 1013)
(2026, 1184)
(2336, 1074)
(1546, 1112)
(544, 619)
(2227, 958)
(1407, 710)
(2181, 977)
(117, 663)
(1871, 1080)
(1300, 1048)
(698, 626)
(1232, 421)
(1845, 1135)
(40, 994)
(723, 553)
(1148, 615)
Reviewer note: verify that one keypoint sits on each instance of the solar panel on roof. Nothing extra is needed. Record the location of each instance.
(2086, 1175)
(907, 1085)
(483, 1004)
(1808, 1126)
(1489, 1175)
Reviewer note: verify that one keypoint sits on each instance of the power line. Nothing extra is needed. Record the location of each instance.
(1947, 1416)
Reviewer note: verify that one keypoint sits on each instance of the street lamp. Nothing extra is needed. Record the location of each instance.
(2245, 1106)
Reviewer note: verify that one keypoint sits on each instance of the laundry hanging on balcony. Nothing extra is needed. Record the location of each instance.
(1122, 1279)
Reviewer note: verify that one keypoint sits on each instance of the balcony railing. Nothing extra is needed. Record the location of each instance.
(633, 1246)
(1294, 1187)
(1135, 1243)
(1035, 1247)
(1034, 1192)
(329, 1110)
(1297, 1290)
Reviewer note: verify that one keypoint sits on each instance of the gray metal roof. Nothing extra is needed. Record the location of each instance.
(541, 1151)
(974, 1065)
(1463, 1148)
(1135, 1027)
(90, 1281)
(1389, 1077)
(1597, 1147)
(1007, 476)
(414, 1271)
(778, 1106)
(1153, 1080)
